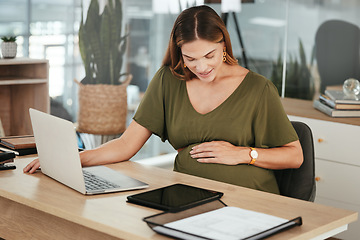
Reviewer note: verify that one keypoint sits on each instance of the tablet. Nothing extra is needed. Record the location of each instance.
(174, 198)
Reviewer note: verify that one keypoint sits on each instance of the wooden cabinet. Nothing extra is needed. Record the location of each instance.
(24, 83)
(337, 153)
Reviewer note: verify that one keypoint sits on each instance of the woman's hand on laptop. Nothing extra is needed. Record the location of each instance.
(32, 166)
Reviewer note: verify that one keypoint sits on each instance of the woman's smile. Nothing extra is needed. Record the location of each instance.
(205, 74)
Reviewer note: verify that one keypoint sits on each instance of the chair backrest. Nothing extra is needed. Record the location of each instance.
(337, 52)
(300, 183)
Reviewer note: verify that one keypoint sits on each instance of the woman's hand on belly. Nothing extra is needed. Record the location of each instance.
(220, 152)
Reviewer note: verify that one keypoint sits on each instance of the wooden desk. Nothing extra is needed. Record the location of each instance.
(37, 207)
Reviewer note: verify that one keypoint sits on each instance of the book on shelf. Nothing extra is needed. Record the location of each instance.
(216, 220)
(332, 112)
(339, 97)
(20, 145)
(6, 160)
(6, 157)
(328, 101)
(18, 142)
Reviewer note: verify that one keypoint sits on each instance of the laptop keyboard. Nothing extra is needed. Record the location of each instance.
(93, 182)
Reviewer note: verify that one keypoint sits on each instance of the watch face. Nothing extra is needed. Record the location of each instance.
(254, 154)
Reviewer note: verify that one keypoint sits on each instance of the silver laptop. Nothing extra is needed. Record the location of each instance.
(56, 143)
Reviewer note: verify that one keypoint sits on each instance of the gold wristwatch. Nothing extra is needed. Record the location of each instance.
(254, 155)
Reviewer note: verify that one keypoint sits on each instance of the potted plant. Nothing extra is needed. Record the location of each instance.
(102, 92)
(299, 81)
(9, 47)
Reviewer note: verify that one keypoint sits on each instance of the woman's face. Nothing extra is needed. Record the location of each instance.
(203, 58)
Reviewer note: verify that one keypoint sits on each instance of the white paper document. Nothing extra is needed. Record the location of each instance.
(227, 223)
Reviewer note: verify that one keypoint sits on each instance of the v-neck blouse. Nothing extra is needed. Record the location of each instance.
(251, 116)
(187, 99)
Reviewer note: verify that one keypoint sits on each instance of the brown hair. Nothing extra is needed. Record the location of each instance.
(200, 22)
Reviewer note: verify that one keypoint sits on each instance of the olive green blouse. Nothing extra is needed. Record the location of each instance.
(251, 116)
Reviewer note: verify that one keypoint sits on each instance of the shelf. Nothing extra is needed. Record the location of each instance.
(24, 84)
(304, 108)
(21, 61)
(16, 81)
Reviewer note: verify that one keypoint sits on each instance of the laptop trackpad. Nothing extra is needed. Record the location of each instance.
(113, 176)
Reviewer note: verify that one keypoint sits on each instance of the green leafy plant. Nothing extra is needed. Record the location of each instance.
(9, 39)
(299, 81)
(101, 45)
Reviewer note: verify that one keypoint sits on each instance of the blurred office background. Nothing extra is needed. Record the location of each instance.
(48, 29)
(275, 34)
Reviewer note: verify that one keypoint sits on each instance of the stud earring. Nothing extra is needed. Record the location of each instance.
(224, 56)
(184, 65)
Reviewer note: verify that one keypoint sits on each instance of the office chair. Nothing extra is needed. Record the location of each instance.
(300, 183)
(337, 46)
